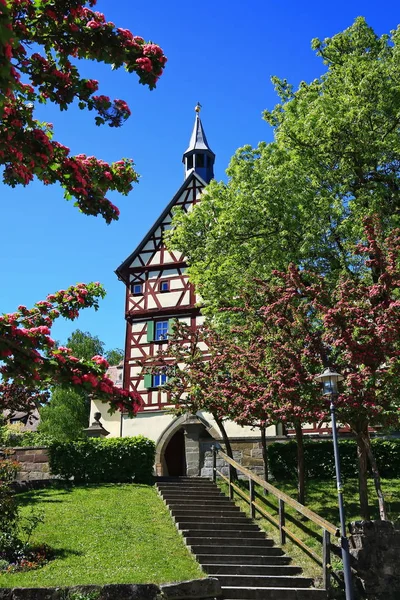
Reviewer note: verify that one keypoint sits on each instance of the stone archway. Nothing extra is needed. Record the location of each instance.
(193, 426)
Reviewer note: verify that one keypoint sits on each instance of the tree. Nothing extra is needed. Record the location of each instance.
(302, 198)
(84, 344)
(60, 32)
(114, 356)
(354, 327)
(65, 416)
(67, 413)
(64, 30)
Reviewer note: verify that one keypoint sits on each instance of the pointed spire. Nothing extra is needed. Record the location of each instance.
(199, 156)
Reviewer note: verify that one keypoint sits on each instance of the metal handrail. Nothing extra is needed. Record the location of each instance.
(327, 527)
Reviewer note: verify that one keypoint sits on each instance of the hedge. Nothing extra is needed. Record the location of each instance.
(117, 460)
(320, 463)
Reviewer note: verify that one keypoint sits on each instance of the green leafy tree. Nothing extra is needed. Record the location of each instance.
(68, 410)
(114, 356)
(302, 198)
(66, 414)
(85, 345)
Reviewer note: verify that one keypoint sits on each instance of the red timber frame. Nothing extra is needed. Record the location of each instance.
(148, 265)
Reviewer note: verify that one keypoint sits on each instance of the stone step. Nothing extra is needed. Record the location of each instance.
(265, 581)
(204, 507)
(189, 490)
(207, 485)
(239, 550)
(228, 542)
(212, 519)
(240, 560)
(260, 593)
(181, 478)
(195, 501)
(192, 524)
(216, 513)
(215, 570)
(223, 533)
(200, 495)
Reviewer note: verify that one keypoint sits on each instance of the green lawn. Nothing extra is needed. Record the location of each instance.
(106, 534)
(322, 499)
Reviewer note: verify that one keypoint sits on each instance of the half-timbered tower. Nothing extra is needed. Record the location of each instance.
(157, 293)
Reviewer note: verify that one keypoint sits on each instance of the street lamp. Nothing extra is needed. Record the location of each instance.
(329, 380)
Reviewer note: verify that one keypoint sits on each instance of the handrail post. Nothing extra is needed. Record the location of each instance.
(282, 533)
(252, 499)
(326, 559)
(230, 483)
(214, 463)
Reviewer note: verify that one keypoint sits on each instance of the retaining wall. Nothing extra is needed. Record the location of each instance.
(197, 589)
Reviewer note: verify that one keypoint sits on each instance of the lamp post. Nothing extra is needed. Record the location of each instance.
(329, 380)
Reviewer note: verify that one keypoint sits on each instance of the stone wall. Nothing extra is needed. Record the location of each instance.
(197, 589)
(247, 453)
(375, 549)
(34, 463)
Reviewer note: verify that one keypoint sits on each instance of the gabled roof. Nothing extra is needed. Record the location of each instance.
(120, 271)
(198, 141)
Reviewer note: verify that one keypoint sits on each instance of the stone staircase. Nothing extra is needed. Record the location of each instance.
(230, 546)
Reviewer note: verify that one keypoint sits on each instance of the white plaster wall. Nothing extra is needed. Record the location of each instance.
(234, 431)
(150, 425)
(169, 299)
(110, 422)
(156, 258)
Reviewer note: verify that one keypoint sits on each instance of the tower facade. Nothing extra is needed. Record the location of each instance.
(158, 292)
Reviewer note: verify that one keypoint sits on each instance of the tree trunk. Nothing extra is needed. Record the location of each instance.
(362, 476)
(376, 476)
(227, 443)
(301, 486)
(264, 455)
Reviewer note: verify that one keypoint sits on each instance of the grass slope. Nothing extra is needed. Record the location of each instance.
(106, 534)
(321, 497)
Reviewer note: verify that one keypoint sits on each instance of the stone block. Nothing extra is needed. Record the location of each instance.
(38, 593)
(257, 453)
(25, 458)
(194, 589)
(40, 458)
(206, 472)
(129, 592)
(253, 462)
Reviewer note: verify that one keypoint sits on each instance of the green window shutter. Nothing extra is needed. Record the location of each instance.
(150, 331)
(170, 325)
(147, 380)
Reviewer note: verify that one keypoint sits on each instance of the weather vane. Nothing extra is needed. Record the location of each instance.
(198, 107)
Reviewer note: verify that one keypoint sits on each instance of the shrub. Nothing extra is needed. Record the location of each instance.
(15, 531)
(320, 462)
(11, 437)
(117, 460)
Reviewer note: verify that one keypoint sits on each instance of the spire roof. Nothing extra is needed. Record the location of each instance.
(198, 141)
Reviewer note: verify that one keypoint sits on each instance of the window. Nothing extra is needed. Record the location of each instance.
(161, 330)
(164, 286)
(159, 379)
(137, 289)
(157, 331)
(189, 162)
(200, 160)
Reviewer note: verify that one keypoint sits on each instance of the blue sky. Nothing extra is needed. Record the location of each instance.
(221, 53)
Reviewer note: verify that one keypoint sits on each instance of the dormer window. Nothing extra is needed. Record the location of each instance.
(164, 286)
(137, 289)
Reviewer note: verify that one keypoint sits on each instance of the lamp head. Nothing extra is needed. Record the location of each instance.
(329, 379)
